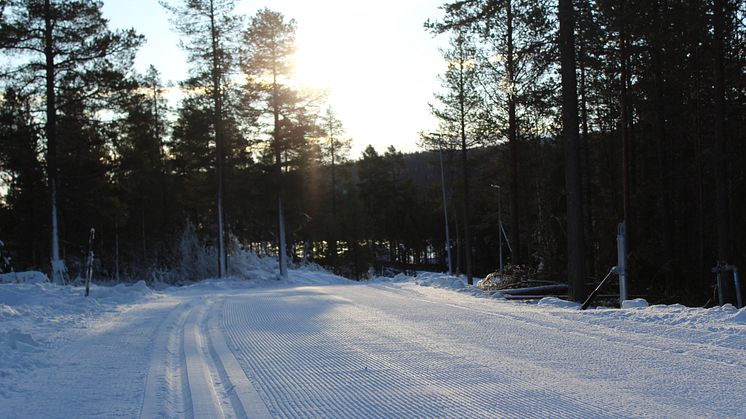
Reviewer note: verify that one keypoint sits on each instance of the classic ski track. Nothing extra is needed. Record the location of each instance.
(202, 377)
(190, 373)
(514, 378)
(356, 370)
(164, 382)
(237, 386)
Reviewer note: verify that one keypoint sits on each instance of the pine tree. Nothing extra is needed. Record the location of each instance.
(269, 44)
(459, 110)
(140, 168)
(514, 60)
(23, 175)
(573, 182)
(68, 40)
(210, 28)
(335, 149)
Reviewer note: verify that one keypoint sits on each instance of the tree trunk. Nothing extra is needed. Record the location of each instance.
(585, 163)
(465, 168)
(512, 141)
(721, 199)
(573, 182)
(664, 149)
(465, 204)
(626, 134)
(58, 265)
(219, 140)
(333, 241)
(721, 175)
(281, 239)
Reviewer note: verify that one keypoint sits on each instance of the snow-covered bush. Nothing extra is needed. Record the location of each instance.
(196, 260)
(246, 264)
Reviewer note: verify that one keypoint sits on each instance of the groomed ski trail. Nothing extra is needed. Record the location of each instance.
(372, 350)
(361, 367)
(236, 349)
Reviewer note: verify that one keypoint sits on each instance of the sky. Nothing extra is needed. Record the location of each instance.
(374, 58)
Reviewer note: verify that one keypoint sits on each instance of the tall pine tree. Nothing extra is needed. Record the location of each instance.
(210, 28)
(56, 41)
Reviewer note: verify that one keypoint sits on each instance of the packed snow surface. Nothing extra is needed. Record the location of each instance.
(317, 345)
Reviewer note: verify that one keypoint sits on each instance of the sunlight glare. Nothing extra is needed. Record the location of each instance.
(361, 54)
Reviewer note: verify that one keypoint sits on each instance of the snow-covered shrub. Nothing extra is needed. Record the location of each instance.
(246, 264)
(196, 260)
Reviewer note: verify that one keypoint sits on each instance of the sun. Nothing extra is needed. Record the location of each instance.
(377, 67)
(318, 60)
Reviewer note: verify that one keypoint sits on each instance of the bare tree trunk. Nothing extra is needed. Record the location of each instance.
(57, 264)
(585, 164)
(512, 141)
(465, 168)
(573, 181)
(721, 200)
(281, 238)
(721, 175)
(333, 241)
(465, 205)
(459, 244)
(664, 148)
(626, 134)
(219, 140)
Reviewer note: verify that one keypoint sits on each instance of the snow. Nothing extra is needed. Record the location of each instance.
(320, 345)
(557, 303)
(636, 303)
(28, 277)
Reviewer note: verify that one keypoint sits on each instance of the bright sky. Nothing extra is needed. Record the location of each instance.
(374, 57)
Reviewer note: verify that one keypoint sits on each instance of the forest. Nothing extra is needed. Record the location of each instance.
(249, 161)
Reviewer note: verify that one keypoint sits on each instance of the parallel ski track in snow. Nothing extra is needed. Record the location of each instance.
(381, 350)
(193, 373)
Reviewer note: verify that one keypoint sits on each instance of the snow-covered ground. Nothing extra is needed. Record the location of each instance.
(321, 346)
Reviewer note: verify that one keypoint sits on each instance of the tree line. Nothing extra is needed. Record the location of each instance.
(89, 142)
(248, 159)
(631, 114)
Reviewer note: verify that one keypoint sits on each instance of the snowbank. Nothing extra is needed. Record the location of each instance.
(441, 281)
(636, 303)
(740, 316)
(265, 270)
(29, 277)
(637, 310)
(558, 303)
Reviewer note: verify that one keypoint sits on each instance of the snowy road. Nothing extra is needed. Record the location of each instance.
(384, 350)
